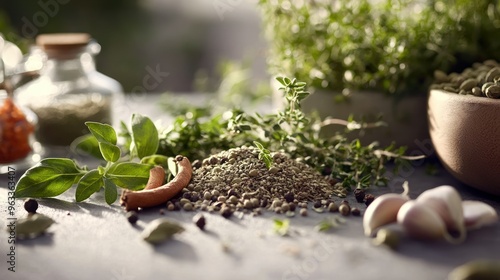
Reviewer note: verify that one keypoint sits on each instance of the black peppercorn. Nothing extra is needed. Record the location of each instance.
(31, 205)
(132, 217)
(199, 221)
(355, 211)
(289, 197)
(369, 199)
(359, 194)
(317, 204)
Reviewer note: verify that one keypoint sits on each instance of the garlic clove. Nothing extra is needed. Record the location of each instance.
(478, 214)
(421, 222)
(382, 211)
(447, 203)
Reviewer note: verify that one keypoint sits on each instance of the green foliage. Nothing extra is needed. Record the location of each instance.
(281, 227)
(53, 176)
(197, 134)
(389, 45)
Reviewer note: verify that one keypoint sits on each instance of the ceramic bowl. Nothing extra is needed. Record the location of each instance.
(465, 132)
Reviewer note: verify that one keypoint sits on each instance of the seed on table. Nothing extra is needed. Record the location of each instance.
(226, 212)
(285, 207)
(186, 195)
(273, 170)
(207, 195)
(289, 197)
(132, 217)
(317, 204)
(30, 205)
(255, 202)
(213, 160)
(184, 201)
(344, 209)
(246, 196)
(247, 204)
(355, 212)
(359, 194)
(170, 206)
(278, 210)
(276, 203)
(253, 173)
(188, 206)
(217, 170)
(264, 202)
(292, 206)
(199, 221)
(196, 163)
(369, 199)
(233, 192)
(221, 198)
(333, 207)
(233, 199)
(215, 193)
(303, 212)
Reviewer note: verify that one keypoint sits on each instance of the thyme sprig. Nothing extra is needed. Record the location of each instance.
(200, 132)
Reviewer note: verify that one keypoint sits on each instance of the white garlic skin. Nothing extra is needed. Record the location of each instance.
(421, 222)
(478, 214)
(382, 211)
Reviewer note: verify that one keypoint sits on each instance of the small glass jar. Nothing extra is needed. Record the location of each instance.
(69, 91)
(18, 148)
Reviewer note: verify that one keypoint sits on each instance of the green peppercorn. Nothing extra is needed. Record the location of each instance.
(344, 209)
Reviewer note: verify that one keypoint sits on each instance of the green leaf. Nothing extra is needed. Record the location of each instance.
(51, 177)
(144, 136)
(102, 132)
(110, 152)
(87, 144)
(281, 227)
(110, 192)
(156, 160)
(88, 184)
(129, 175)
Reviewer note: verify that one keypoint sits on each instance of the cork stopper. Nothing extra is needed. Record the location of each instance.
(62, 45)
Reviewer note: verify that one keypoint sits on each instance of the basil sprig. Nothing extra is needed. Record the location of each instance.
(53, 176)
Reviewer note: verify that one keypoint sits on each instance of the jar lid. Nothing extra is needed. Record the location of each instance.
(62, 44)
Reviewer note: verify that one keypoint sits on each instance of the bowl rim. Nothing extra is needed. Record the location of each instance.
(466, 98)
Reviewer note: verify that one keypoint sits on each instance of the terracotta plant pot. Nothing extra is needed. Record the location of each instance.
(465, 133)
(405, 118)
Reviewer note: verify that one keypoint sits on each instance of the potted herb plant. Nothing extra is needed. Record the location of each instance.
(369, 58)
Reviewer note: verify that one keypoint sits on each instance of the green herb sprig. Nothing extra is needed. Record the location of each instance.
(53, 176)
(200, 132)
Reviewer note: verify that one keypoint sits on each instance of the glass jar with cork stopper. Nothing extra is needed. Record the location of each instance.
(69, 91)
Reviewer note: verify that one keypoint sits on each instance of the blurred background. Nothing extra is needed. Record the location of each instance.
(189, 40)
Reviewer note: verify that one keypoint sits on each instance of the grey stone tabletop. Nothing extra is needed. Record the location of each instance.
(92, 240)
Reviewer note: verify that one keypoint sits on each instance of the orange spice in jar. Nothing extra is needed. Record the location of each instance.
(15, 131)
